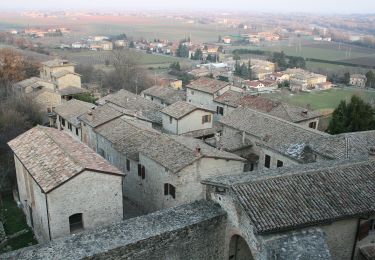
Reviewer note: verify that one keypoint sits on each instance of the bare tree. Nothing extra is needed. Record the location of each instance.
(127, 72)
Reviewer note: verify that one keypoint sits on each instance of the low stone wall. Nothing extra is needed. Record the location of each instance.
(192, 231)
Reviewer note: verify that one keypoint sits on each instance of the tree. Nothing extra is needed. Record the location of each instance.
(279, 59)
(131, 44)
(219, 39)
(352, 117)
(175, 66)
(14, 67)
(198, 55)
(182, 51)
(346, 79)
(370, 82)
(127, 73)
(17, 115)
(86, 71)
(296, 62)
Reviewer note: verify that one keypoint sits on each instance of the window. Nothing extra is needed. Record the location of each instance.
(169, 189)
(220, 110)
(170, 120)
(62, 121)
(267, 161)
(70, 126)
(141, 171)
(75, 223)
(127, 165)
(206, 119)
(312, 125)
(279, 163)
(192, 92)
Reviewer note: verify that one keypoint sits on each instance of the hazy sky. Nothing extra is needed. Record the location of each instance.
(321, 6)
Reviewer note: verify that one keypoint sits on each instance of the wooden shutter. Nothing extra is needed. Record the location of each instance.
(165, 188)
(172, 191)
(143, 172)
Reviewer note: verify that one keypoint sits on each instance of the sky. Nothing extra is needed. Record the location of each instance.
(306, 6)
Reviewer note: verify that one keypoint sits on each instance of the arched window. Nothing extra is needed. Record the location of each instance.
(75, 223)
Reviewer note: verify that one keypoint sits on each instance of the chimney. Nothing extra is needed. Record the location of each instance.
(304, 112)
(198, 151)
(371, 153)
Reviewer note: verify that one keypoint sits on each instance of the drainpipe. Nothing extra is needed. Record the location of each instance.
(355, 239)
(49, 227)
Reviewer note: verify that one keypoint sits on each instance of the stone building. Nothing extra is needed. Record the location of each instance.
(162, 170)
(266, 141)
(226, 103)
(57, 83)
(335, 198)
(182, 117)
(203, 91)
(358, 80)
(61, 73)
(164, 95)
(138, 106)
(63, 186)
(67, 116)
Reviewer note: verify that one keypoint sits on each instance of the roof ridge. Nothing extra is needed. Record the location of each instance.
(304, 171)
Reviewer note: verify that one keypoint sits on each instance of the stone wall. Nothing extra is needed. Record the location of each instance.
(193, 231)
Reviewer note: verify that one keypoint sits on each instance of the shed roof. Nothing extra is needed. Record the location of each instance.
(52, 157)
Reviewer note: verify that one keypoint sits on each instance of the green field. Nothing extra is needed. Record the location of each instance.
(322, 100)
(100, 57)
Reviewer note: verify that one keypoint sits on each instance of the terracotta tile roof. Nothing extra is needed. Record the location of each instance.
(52, 157)
(100, 115)
(271, 131)
(33, 82)
(72, 109)
(71, 91)
(57, 63)
(172, 152)
(272, 107)
(296, 200)
(132, 102)
(166, 94)
(63, 73)
(207, 85)
(180, 109)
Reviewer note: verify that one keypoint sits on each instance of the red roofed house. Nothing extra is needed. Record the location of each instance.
(64, 187)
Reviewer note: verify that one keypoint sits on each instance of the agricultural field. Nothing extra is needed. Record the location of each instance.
(330, 51)
(322, 100)
(87, 57)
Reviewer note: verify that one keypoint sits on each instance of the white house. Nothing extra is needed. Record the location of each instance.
(182, 117)
(63, 186)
